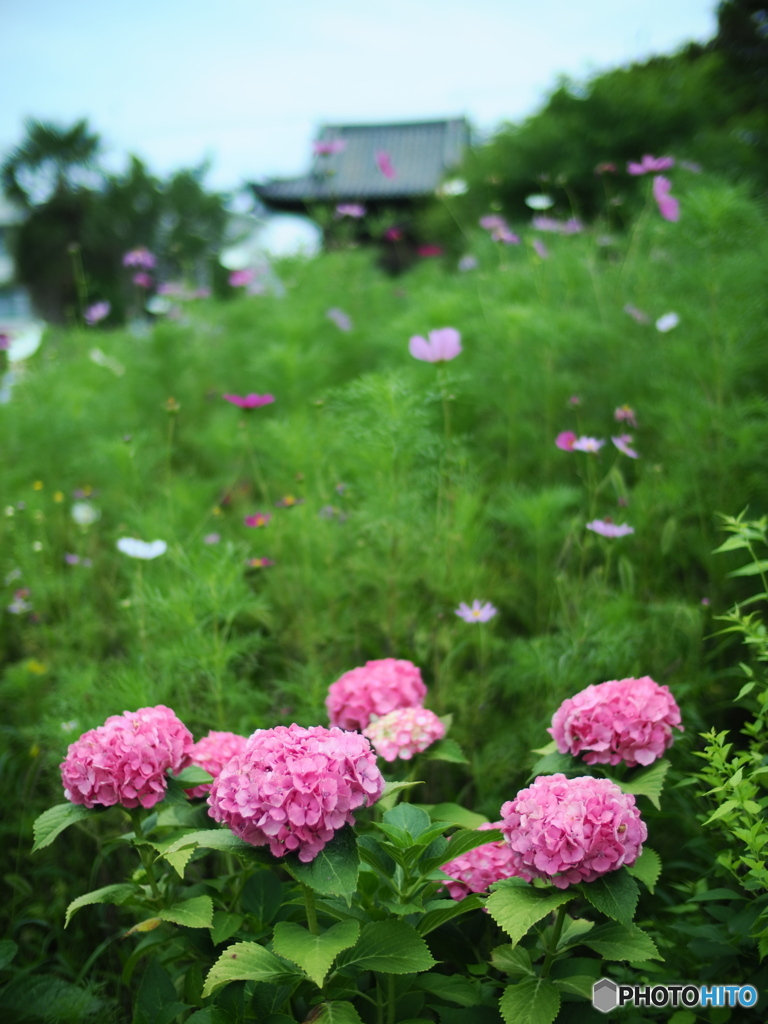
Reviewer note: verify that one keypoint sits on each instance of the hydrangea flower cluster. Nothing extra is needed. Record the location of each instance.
(125, 760)
(292, 788)
(211, 753)
(375, 688)
(572, 830)
(404, 732)
(480, 868)
(626, 720)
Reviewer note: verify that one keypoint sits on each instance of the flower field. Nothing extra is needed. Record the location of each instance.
(329, 560)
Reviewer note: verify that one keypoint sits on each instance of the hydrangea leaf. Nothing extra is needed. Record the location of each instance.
(515, 905)
(614, 894)
(248, 961)
(647, 868)
(117, 894)
(262, 896)
(334, 870)
(193, 776)
(648, 782)
(530, 1001)
(211, 839)
(53, 821)
(224, 926)
(555, 762)
(449, 909)
(194, 913)
(455, 814)
(512, 960)
(336, 1012)
(314, 954)
(622, 942)
(156, 1000)
(446, 750)
(393, 947)
(8, 950)
(462, 842)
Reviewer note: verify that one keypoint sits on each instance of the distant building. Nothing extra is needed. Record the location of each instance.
(378, 165)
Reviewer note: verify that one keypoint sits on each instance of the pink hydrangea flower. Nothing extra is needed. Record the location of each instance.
(650, 165)
(404, 732)
(623, 442)
(565, 440)
(376, 688)
(439, 346)
(141, 258)
(607, 528)
(669, 207)
(125, 760)
(572, 830)
(292, 788)
(626, 720)
(587, 444)
(480, 868)
(211, 753)
(249, 401)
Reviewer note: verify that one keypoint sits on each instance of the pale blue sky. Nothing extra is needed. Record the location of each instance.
(247, 82)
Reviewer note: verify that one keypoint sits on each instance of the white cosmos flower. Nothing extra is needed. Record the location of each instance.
(84, 513)
(667, 322)
(539, 202)
(140, 548)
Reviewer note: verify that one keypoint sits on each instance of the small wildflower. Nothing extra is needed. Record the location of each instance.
(19, 605)
(241, 278)
(140, 257)
(477, 613)
(71, 559)
(669, 207)
(10, 510)
(142, 280)
(623, 442)
(135, 548)
(588, 444)
(625, 414)
(667, 322)
(38, 485)
(259, 563)
(258, 519)
(607, 528)
(540, 249)
(97, 312)
(705, 602)
(249, 401)
(211, 538)
(565, 440)
(354, 210)
(574, 400)
(340, 318)
(441, 345)
(84, 513)
(171, 405)
(288, 501)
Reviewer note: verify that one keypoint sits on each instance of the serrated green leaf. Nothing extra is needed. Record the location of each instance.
(314, 954)
(530, 1001)
(194, 913)
(556, 762)
(647, 868)
(622, 942)
(210, 839)
(462, 842)
(224, 926)
(389, 797)
(446, 750)
(193, 776)
(614, 894)
(53, 821)
(248, 961)
(649, 782)
(515, 906)
(335, 1012)
(334, 870)
(156, 1000)
(456, 815)
(722, 810)
(752, 569)
(393, 947)
(577, 984)
(261, 897)
(437, 916)
(214, 1015)
(514, 960)
(573, 929)
(115, 894)
(451, 987)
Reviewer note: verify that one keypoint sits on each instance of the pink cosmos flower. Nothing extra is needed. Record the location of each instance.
(376, 688)
(572, 226)
(480, 868)
(241, 278)
(505, 235)
(425, 251)
(587, 444)
(249, 401)
(355, 210)
(542, 222)
(394, 234)
(565, 440)
(540, 249)
(572, 830)
(211, 753)
(439, 346)
(125, 760)
(637, 314)
(292, 788)
(607, 528)
(669, 207)
(477, 613)
(259, 563)
(627, 720)
(142, 280)
(404, 732)
(574, 400)
(258, 519)
(141, 258)
(625, 414)
(97, 312)
(623, 442)
(651, 165)
(384, 163)
(340, 318)
(492, 222)
(288, 501)
(605, 169)
(328, 147)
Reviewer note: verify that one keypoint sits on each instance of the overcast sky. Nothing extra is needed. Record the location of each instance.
(246, 83)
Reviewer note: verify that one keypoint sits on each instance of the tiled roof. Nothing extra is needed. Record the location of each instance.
(420, 153)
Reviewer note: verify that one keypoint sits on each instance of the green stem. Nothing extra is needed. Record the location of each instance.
(391, 999)
(555, 938)
(146, 856)
(309, 904)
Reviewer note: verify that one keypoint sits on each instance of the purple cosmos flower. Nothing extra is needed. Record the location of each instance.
(625, 414)
(5, 342)
(588, 444)
(384, 163)
(249, 401)
(442, 345)
(96, 312)
(667, 322)
(142, 280)
(623, 442)
(258, 519)
(241, 278)
(340, 318)
(669, 207)
(607, 528)
(637, 314)
(211, 538)
(565, 440)
(328, 147)
(141, 258)
(477, 613)
(492, 221)
(651, 165)
(355, 210)
(71, 559)
(429, 250)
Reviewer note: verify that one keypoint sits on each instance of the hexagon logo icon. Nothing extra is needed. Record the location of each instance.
(605, 995)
